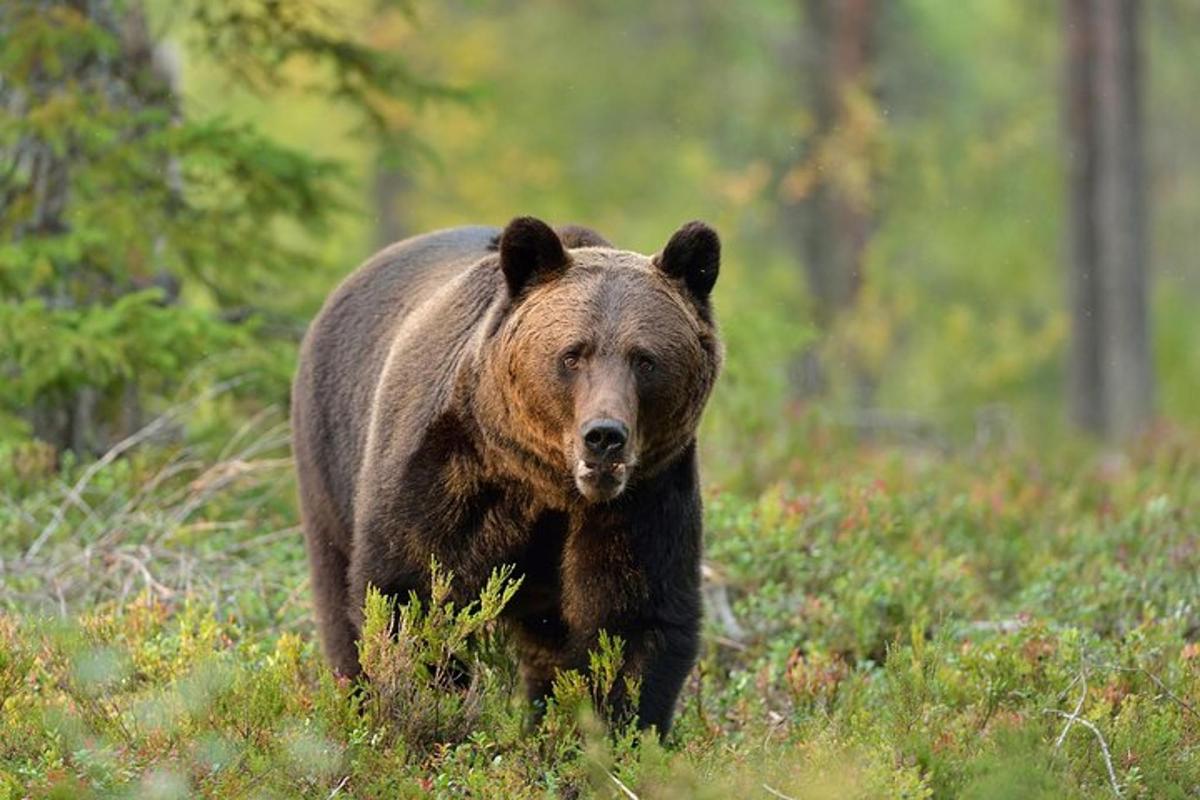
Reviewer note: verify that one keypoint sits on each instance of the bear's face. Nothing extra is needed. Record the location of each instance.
(608, 356)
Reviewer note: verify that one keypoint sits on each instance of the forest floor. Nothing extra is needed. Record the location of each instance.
(885, 623)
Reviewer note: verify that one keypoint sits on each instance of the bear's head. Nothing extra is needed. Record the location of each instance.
(600, 361)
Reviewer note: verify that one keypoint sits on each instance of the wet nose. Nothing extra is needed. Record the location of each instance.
(604, 438)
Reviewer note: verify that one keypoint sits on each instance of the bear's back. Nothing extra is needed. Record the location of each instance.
(347, 345)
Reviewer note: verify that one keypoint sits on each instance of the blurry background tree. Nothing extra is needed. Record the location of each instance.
(142, 240)
(828, 195)
(1111, 376)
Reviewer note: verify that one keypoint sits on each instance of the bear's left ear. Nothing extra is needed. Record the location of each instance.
(530, 252)
(694, 256)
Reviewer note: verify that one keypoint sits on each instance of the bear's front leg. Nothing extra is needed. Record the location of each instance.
(632, 568)
(542, 642)
(372, 563)
(657, 653)
(662, 656)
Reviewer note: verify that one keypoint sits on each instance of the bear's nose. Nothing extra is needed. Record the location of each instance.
(605, 437)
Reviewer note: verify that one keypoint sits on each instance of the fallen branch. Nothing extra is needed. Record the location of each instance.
(1062, 737)
(1075, 718)
(1163, 688)
(620, 785)
(1011, 625)
(718, 600)
(163, 591)
(717, 595)
(75, 493)
(337, 789)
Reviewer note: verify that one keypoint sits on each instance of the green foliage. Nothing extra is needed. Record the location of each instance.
(109, 187)
(415, 654)
(56, 350)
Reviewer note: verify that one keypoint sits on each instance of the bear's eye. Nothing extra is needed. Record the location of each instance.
(571, 359)
(644, 364)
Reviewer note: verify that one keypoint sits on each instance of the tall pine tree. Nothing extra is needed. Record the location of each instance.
(136, 237)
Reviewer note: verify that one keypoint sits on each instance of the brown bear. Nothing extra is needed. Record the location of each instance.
(526, 397)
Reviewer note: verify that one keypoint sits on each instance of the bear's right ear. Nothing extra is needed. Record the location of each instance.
(530, 253)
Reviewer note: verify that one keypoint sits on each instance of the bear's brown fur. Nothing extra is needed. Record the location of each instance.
(525, 397)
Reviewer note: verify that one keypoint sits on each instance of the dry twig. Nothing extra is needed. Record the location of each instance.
(75, 493)
(625, 790)
(1162, 687)
(1075, 718)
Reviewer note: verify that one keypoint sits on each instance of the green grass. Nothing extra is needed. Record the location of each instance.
(887, 623)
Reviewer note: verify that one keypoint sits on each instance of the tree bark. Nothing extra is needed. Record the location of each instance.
(1084, 371)
(835, 224)
(389, 189)
(1111, 379)
(828, 213)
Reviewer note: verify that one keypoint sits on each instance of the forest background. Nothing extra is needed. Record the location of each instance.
(958, 301)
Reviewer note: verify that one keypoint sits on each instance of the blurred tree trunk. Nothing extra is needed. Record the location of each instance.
(390, 187)
(1111, 381)
(827, 198)
(838, 224)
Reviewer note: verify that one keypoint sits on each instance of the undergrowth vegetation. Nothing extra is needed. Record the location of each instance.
(888, 623)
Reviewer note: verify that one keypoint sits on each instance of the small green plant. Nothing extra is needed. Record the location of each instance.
(421, 659)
